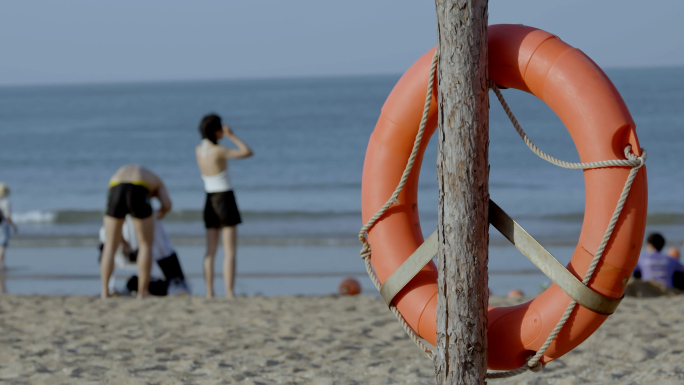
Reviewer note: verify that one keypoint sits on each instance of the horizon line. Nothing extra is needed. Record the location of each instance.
(191, 80)
(256, 78)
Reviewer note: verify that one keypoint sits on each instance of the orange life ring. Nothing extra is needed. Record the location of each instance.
(594, 113)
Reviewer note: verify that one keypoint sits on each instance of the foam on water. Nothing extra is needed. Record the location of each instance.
(34, 216)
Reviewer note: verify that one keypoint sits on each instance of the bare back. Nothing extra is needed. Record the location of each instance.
(134, 173)
(211, 158)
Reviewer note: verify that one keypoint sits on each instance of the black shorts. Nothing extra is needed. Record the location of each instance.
(128, 198)
(220, 210)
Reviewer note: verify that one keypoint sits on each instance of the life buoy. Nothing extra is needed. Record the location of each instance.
(599, 122)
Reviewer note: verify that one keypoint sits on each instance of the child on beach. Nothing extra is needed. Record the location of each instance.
(5, 222)
(654, 266)
(130, 190)
(220, 209)
(163, 254)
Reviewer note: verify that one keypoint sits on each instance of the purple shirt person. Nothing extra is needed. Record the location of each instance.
(654, 266)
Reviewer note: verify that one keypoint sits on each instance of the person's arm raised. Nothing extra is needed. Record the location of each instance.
(243, 151)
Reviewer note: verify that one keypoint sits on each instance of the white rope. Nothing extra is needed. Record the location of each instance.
(629, 162)
(366, 249)
(632, 161)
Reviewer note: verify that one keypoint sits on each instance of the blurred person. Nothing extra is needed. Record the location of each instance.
(673, 252)
(130, 190)
(221, 213)
(5, 222)
(163, 254)
(677, 277)
(657, 267)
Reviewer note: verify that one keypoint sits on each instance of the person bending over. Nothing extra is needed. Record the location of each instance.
(163, 254)
(220, 210)
(130, 190)
(657, 267)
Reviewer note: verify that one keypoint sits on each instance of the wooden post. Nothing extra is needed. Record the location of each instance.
(463, 173)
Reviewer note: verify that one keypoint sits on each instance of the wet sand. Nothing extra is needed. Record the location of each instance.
(291, 340)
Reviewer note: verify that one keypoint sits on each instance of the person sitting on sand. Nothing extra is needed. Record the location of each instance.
(220, 209)
(5, 222)
(654, 266)
(130, 190)
(673, 252)
(163, 253)
(678, 276)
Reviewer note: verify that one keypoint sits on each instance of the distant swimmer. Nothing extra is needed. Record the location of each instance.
(163, 254)
(5, 222)
(130, 190)
(654, 266)
(220, 209)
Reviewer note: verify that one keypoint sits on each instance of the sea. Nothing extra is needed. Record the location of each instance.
(300, 193)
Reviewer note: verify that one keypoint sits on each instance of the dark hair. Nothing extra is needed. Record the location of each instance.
(208, 127)
(656, 240)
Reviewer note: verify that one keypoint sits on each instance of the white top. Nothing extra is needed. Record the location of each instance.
(5, 210)
(217, 183)
(214, 183)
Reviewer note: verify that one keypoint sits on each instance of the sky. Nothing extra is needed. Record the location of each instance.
(96, 41)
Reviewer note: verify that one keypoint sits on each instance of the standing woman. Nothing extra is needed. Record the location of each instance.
(220, 210)
(5, 222)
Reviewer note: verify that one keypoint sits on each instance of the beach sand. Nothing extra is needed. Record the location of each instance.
(291, 340)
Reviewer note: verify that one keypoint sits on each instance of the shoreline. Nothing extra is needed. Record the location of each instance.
(282, 267)
(182, 241)
(24, 241)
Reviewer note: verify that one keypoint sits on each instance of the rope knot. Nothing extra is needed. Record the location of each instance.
(640, 160)
(365, 251)
(536, 367)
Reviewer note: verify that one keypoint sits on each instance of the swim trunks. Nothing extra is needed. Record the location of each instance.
(221, 210)
(128, 198)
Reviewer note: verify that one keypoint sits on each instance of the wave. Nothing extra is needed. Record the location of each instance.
(652, 219)
(58, 216)
(34, 216)
(93, 216)
(302, 186)
(665, 218)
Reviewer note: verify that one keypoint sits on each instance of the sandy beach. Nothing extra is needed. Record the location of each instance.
(291, 340)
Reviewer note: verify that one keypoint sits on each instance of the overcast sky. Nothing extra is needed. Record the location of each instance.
(85, 41)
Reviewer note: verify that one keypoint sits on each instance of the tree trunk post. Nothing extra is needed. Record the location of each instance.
(463, 174)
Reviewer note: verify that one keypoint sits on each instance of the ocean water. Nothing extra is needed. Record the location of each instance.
(261, 270)
(59, 145)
